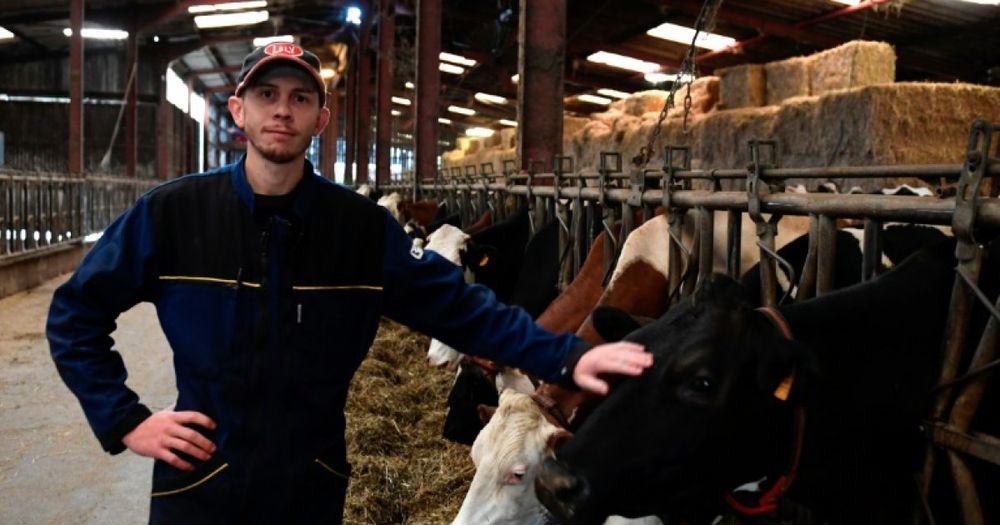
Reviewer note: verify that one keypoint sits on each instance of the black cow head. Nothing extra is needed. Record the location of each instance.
(697, 424)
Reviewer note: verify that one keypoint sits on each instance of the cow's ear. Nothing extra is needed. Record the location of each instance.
(485, 413)
(557, 439)
(613, 324)
(785, 370)
(722, 290)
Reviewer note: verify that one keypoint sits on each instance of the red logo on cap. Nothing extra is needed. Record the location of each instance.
(282, 48)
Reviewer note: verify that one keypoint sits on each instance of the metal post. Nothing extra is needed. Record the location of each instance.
(428, 86)
(383, 119)
(364, 124)
(131, 87)
(163, 121)
(350, 116)
(542, 46)
(328, 140)
(76, 88)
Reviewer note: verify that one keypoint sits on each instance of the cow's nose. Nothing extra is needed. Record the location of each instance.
(559, 489)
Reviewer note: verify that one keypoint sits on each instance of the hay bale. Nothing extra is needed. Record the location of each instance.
(904, 123)
(720, 139)
(786, 79)
(403, 471)
(854, 64)
(645, 101)
(608, 117)
(492, 141)
(508, 137)
(571, 126)
(741, 86)
(590, 141)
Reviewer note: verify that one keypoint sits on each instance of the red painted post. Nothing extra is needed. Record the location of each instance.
(163, 127)
(386, 49)
(350, 111)
(428, 86)
(75, 146)
(131, 87)
(328, 141)
(542, 49)
(364, 97)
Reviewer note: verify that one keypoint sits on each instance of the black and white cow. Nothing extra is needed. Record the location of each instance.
(706, 418)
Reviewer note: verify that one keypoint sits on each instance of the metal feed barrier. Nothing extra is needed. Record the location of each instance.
(579, 201)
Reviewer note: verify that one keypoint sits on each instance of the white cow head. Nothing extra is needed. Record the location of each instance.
(508, 454)
(391, 203)
(449, 242)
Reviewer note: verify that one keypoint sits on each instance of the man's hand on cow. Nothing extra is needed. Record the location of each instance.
(165, 432)
(623, 358)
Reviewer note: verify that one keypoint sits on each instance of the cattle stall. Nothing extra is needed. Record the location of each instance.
(585, 202)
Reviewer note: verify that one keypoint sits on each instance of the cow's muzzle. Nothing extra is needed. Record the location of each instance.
(560, 490)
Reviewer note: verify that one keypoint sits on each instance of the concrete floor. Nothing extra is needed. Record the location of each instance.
(52, 469)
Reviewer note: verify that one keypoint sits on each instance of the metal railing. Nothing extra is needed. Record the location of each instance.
(39, 211)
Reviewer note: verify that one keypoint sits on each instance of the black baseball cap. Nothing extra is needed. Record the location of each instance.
(281, 52)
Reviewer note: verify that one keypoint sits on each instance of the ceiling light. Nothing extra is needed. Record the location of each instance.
(456, 59)
(461, 111)
(613, 93)
(515, 77)
(396, 112)
(99, 34)
(230, 19)
(451, 68)
(409, 85)
(623, 62)
(594, 99)
(327, 73)
(443, 120)
(401, 101)
(683, 35)
(659, 78)
(156, 38)
(265, 40)
(510, 123)
(353, 15)
(227, 6)
(489, 99)
(983, 2)
(5, 34)
(479, 132)
(848, 2)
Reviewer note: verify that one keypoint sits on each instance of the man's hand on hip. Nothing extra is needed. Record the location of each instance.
(165, 432)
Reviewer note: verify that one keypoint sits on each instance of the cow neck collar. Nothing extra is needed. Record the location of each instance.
(767, 501)
(550, 408)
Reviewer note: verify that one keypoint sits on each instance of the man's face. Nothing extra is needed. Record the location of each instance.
(279, 114)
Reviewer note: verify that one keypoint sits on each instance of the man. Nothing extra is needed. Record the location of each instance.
(269, 283)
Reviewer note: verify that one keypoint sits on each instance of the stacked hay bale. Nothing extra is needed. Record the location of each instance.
(742, 86)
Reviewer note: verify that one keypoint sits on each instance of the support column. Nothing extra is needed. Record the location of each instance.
(428, 88)
(328, 141)
(386, 49)
(75, 146)
(164, 131)
(364, 96)
(350, 112)
(541, 53)
(131, 87)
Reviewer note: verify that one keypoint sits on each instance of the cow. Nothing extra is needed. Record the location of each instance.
(722, 404)
(517, 437)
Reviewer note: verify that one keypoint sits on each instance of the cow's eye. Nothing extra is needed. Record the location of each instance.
(702, 385)
(515, 477)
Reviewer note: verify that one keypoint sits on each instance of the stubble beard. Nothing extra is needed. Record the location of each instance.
(279, 155)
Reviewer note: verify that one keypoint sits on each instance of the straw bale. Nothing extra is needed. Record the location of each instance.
(475, 144)
(741, 86)
(462, 143)
(854, 64)
(492, 141)
(608, 117)
(786, 79)
(508, 137)
(590, 141)
(645, 101)
(720, 139)
(903, 123)
(618, 105)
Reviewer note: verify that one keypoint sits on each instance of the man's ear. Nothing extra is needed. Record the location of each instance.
(322, 121)
(236, 110)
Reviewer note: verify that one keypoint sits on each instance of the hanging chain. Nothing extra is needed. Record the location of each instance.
(705, 22)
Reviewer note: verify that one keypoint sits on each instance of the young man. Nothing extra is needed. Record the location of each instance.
(269, 282)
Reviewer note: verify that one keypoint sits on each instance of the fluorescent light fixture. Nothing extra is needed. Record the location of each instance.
(227, 6)
(442, 120)
(5, 34)
(683, 35)
(461, 110)
(848, 2)
(613, 93)
(515, 78)
(489, 99)
(409, 85)
(327, 73)
(456, 59)
(659, 78)
(262, 41)
(451, 68)
(623, 62)
(511, 123)
(594, 99)
(401, 101)
(983, 2)
(230, 19)
(396, 112)
(99, 34)
(353, 15)
(479, 132)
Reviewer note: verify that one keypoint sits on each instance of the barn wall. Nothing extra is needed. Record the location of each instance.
(103, 73)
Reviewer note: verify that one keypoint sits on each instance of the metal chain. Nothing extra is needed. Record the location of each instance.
(705, 22)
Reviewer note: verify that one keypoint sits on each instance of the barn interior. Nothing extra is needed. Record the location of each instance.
(101, 100)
